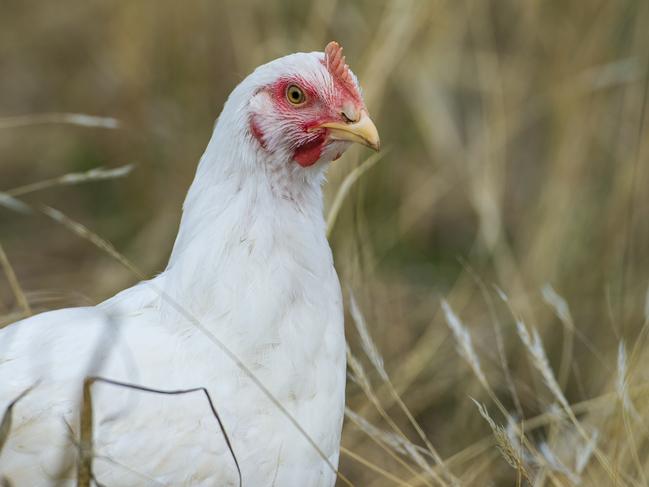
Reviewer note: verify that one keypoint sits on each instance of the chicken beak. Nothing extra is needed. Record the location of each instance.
(362, 131)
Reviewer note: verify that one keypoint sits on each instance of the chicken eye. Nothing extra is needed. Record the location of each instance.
(295, 95)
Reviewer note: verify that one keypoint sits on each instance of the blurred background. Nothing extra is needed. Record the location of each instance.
(513, 186)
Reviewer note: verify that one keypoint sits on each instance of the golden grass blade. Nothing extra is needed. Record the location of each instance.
(584, 454)
(466, 350)
(562, 311)
(19, 294)
(149, 480)
(622, 382)
(633, 447)
(464, 342)
(498, 333)
(13, 204)
(369, 347)
(84, 464)
(358, 375)
(347, 184)
(390, 443)
(96, 174)
(377, 361)
(79, 119)
(7, 418)
(540, 361)
(372, 466)
(592, 405)
(511, 453)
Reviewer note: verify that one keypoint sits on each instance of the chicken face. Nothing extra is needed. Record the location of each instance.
(313, 111)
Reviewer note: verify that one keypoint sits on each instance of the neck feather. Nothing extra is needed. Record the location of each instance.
(238, 184)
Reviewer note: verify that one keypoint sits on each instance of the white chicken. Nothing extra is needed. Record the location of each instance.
(249, 307)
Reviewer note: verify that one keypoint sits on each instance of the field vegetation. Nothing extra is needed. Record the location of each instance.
(494, 257)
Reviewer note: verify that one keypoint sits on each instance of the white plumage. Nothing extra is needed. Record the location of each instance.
(251, 265)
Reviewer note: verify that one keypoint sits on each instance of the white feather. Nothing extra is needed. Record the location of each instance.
(251, 263)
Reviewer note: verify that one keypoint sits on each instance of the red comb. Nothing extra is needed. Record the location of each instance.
(335, 62)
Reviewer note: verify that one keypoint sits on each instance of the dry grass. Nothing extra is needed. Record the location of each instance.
(498, 252)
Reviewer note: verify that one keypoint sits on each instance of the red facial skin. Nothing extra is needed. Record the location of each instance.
(257, 133)
(318, 108)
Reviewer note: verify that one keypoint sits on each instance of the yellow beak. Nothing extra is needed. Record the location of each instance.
(363, 131)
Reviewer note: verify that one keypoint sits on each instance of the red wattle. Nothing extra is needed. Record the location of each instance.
(308, 154)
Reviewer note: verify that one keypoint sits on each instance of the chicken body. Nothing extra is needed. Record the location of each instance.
(250, 289)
